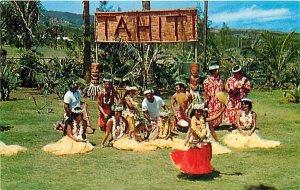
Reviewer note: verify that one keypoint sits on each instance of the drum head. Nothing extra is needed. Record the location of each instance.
(182, 123)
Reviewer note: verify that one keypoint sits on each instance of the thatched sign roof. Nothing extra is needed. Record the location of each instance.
(147, 26)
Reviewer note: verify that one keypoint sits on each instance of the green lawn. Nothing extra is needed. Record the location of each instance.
(47, 52)
(113, 169)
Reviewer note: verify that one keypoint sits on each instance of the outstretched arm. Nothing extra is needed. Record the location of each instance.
(213, 132)
(216, 116)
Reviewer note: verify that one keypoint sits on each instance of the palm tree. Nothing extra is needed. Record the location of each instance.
(277, 56)
(87, 40)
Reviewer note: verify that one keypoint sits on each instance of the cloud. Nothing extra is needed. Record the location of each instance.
(252, 14)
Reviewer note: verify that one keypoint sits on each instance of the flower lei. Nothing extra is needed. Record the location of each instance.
(199, 128)
(77, 130)
(117, 128)
(109, 99)
(246, 119)
(163, 128)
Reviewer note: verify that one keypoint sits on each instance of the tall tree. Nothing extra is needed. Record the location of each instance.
(21, 20)
(87, 40)
(148, 64)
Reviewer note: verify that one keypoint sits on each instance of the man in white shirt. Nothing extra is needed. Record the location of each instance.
(72, 99)
(151, 107)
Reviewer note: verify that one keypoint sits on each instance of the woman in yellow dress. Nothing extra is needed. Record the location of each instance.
(131, 110)
(74, 140)
(245, 136)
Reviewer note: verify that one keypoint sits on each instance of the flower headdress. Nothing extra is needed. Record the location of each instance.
(77, 110)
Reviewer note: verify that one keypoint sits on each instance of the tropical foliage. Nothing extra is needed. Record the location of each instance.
(9, 79)
(269, 59)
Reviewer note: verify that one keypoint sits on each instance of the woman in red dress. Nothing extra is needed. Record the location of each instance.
(196, 160)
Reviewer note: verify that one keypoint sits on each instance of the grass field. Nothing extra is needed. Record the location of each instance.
(47, 52)
(109, 168)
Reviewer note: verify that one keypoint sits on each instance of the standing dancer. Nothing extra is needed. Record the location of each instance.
(237, 87)
(106, 99)
(196, 160)
(212, 85)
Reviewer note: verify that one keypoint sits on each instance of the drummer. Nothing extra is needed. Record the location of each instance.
(181, 103)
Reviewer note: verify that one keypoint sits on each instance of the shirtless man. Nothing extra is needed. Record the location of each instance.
(180, 103)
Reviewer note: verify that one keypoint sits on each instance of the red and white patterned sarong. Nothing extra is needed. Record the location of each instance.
(211, 87)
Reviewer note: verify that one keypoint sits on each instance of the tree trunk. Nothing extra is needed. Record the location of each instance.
(87, 41)
(149, 72)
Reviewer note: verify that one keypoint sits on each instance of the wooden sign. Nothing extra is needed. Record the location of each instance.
(147, 26)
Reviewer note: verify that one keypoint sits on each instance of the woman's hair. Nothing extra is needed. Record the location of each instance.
(123, 99)
(70, 121)
(249, 104)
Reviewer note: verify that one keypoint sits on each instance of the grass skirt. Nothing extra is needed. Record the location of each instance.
(66, 145)
(194, 160)
(216, 147)
(238, 140)
(132, 145)
(146, 146)
(8, 150)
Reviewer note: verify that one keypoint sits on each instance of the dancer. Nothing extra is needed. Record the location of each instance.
(74, 140)
(196, 160)
(213, 85)
(164, 126)
(131, 110)
(106, 98)
(116, 125)
(245, 136)
(237, 87)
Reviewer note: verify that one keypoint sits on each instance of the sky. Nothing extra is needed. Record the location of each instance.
(269, 15)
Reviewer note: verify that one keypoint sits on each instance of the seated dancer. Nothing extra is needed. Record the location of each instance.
(164, 126)
(74, 140)
(180, 103)
(106, 98)
(72, 99)
(131, 109)
(196, 160)
(8, 150)
(151, 107)
(116, 126)
(245, 136)
(140, 132)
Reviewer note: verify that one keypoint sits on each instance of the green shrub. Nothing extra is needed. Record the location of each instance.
(9, 79)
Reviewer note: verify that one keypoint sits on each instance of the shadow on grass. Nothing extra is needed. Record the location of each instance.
(222, 127)
(225, 128)
(5, 128)
(14, 99)
(204, 177)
